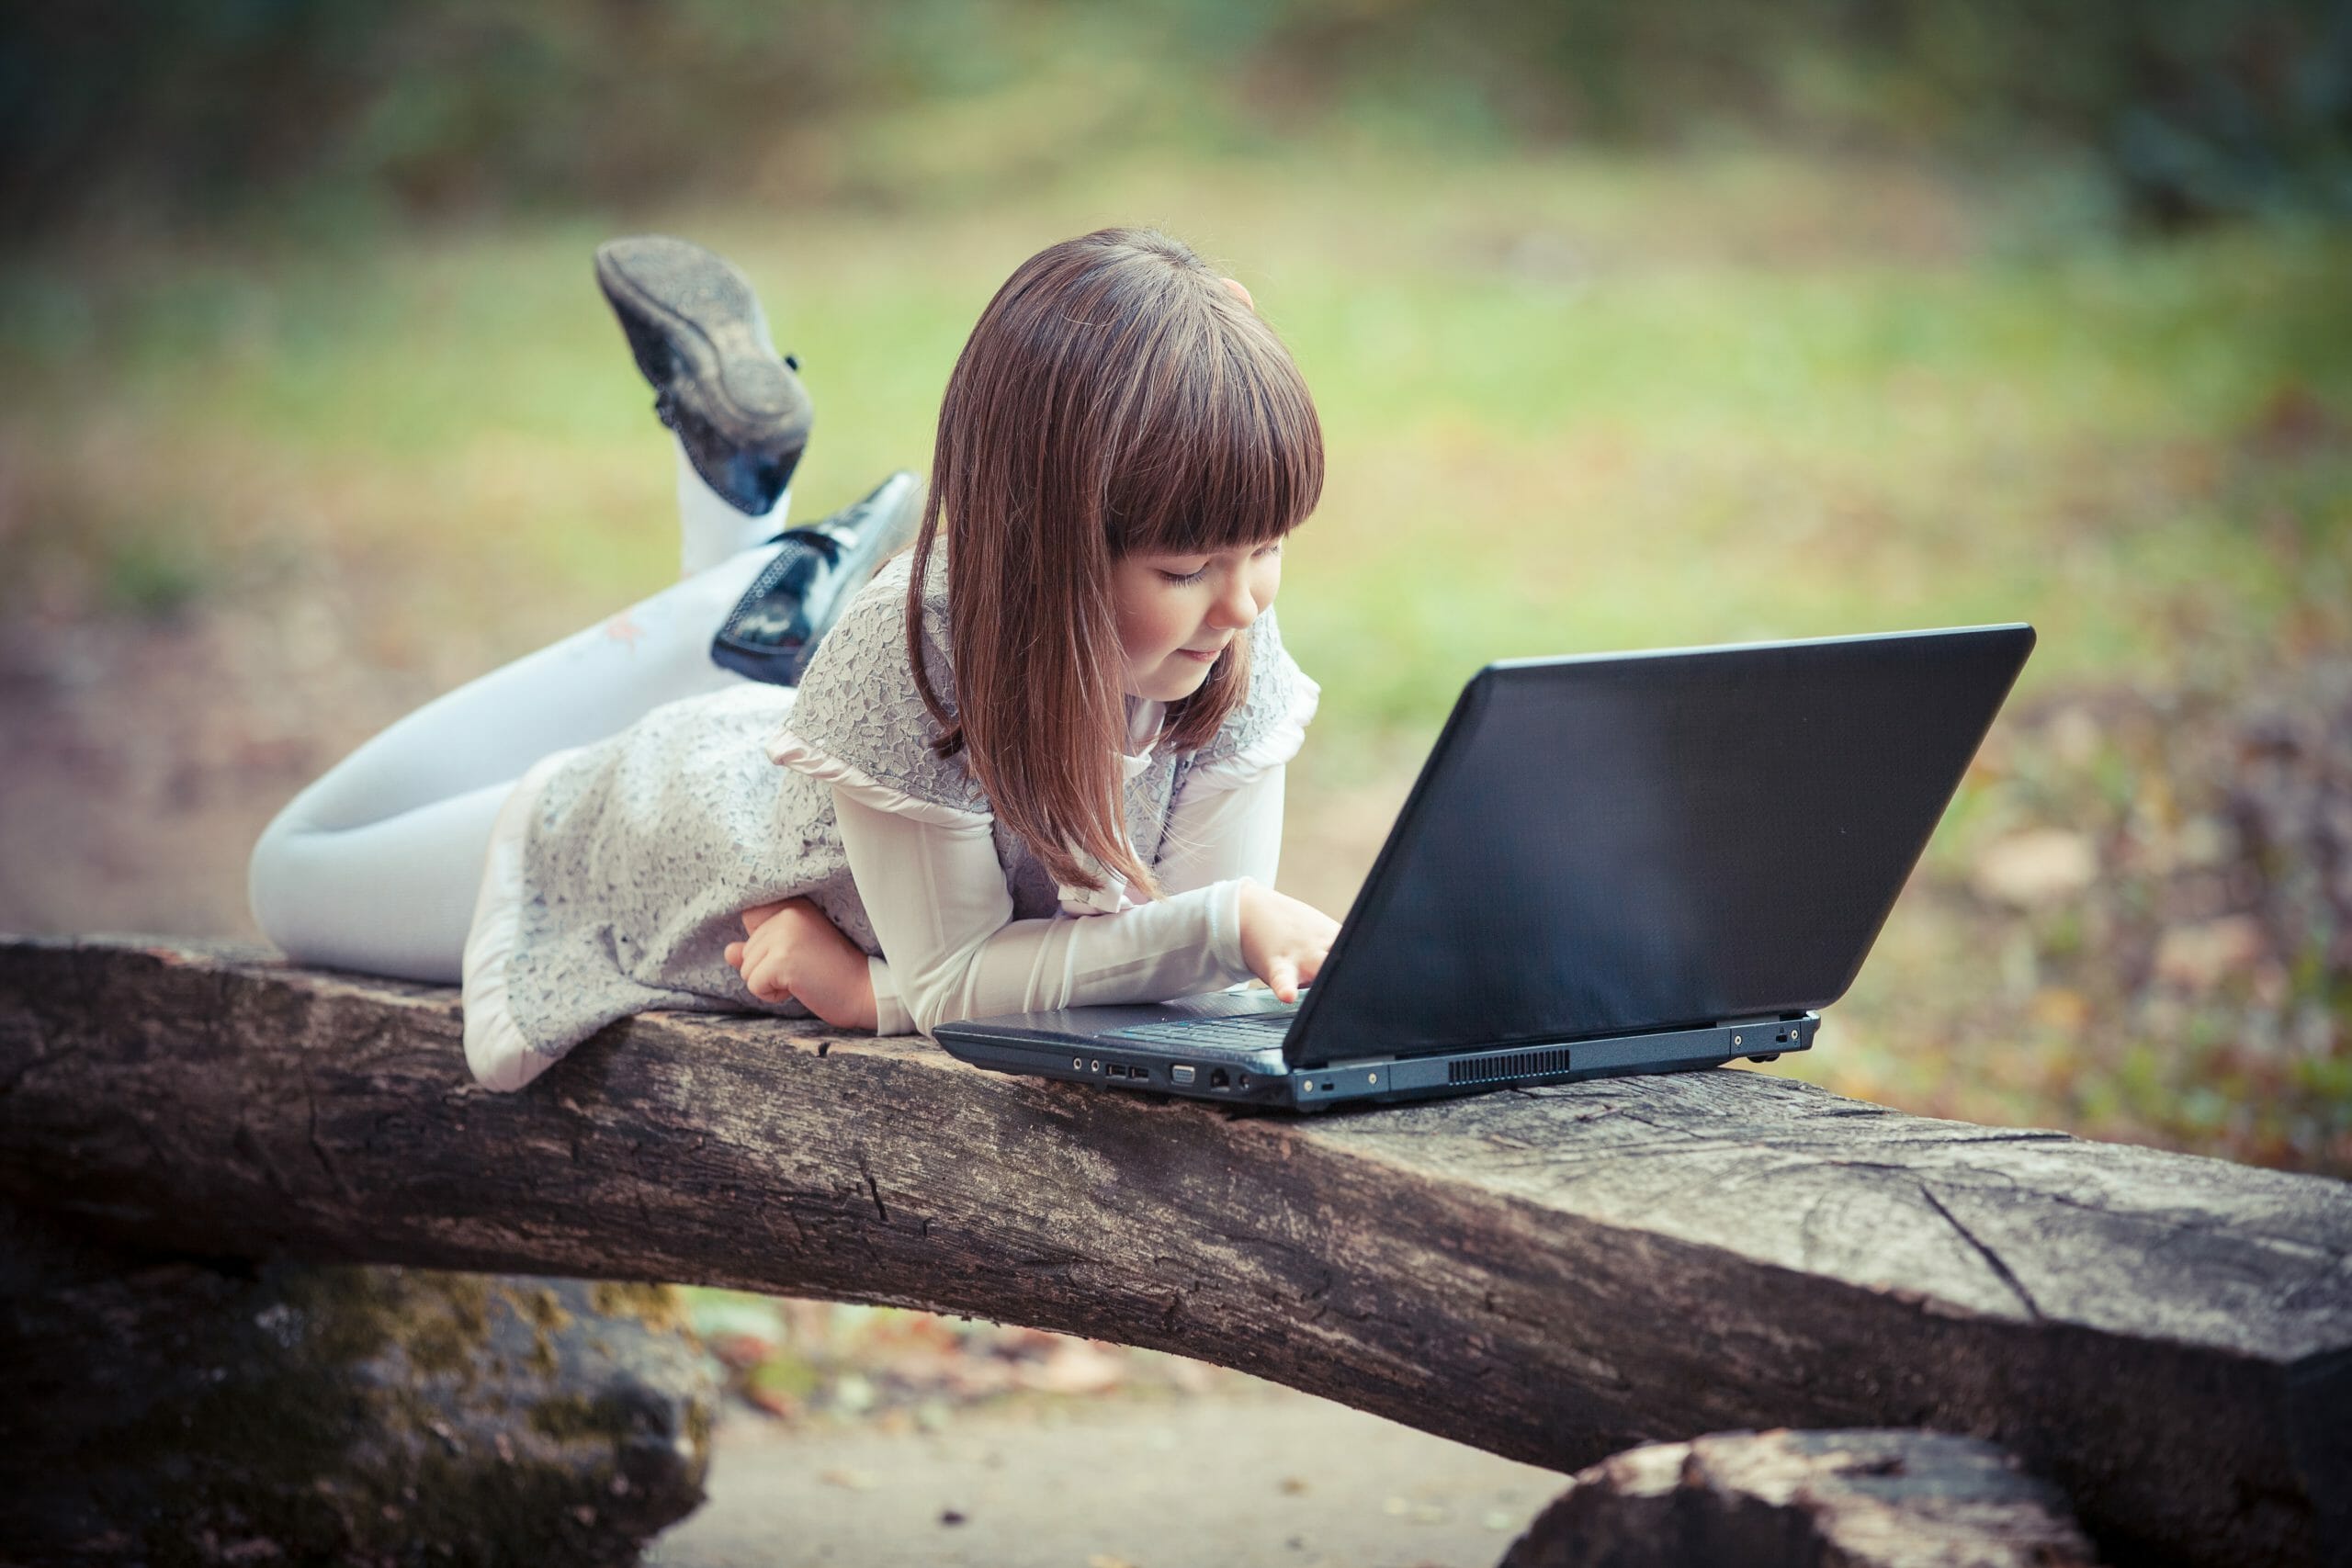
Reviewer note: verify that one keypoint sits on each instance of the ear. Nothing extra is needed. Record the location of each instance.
(1238, 292)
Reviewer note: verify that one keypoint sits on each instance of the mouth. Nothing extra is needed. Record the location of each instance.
(1210, 657)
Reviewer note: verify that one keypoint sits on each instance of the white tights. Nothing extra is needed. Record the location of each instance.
(375, 866)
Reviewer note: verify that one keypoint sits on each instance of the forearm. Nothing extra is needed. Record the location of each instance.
(936, 897)
(1185, 945)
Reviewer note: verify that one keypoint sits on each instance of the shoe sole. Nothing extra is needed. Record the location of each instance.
(714, 322)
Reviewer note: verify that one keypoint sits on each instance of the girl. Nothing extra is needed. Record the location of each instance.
(1036, 762)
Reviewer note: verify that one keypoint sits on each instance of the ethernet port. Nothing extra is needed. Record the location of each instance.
(1217, 1078)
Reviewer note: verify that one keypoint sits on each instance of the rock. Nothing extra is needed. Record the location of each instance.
(173, 1411)
(1783, 1499)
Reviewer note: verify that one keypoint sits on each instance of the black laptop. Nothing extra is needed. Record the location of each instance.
(1616, 863)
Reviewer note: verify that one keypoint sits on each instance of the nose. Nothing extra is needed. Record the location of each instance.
(1237, 604)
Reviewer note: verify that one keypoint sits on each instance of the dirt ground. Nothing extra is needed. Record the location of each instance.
(1252, 1474)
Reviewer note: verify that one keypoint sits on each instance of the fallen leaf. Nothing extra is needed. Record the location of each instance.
(2054, 1006)
(740, 1352)
(2040, 866)
(847, 1479)
(2197, 957)
(1074, 1367)
(2074, 736)
(775, 1402)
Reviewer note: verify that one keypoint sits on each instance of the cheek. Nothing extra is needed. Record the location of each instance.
(1143, 612)
(1165, 624)
(1266, 581)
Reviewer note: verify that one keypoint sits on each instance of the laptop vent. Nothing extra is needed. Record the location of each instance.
(1518, 1064)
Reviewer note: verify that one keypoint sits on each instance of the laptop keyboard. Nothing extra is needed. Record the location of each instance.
(1248, 1032)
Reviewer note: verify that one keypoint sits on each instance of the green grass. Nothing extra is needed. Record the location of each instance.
(1562, 412)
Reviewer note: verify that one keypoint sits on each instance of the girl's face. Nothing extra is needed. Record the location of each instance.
(1176, 613)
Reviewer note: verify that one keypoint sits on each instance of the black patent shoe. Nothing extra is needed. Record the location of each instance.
(696, 331)
(775, 626)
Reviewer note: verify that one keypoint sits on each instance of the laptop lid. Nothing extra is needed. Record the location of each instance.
(1608, 843)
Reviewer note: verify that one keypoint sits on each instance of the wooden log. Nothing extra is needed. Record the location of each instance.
(1553, 1274)
(1859, 1499)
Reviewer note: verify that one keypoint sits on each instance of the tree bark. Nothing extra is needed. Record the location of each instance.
(1555, 1274)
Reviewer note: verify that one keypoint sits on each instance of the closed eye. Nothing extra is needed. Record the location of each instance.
(1185, 579)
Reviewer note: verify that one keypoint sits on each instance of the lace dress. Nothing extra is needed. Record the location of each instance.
(619, 871)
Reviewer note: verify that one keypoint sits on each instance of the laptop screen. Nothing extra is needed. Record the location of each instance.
(1607, 844)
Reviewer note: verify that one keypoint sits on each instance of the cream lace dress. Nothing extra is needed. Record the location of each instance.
(618, 871)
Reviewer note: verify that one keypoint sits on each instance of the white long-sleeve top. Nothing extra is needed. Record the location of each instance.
(935, 892)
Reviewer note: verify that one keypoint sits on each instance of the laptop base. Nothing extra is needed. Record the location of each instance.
(1263, 1078)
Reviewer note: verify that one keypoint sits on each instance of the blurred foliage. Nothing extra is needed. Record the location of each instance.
(321, 112)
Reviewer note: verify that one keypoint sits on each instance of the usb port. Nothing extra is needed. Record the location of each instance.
(1115, 1071)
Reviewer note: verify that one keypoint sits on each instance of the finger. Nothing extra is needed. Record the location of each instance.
(1282, 975)
(764, 976)
(1310, 965)
(735, 954)
(761, 914)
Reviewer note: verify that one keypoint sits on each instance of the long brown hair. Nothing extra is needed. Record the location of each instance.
(1115, 398)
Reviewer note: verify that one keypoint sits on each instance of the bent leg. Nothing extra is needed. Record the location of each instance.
(391, 898)
(374, 867)
(596, 682)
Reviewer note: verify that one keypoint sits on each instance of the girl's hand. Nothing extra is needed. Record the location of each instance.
(1284, 940)
(791, 952)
